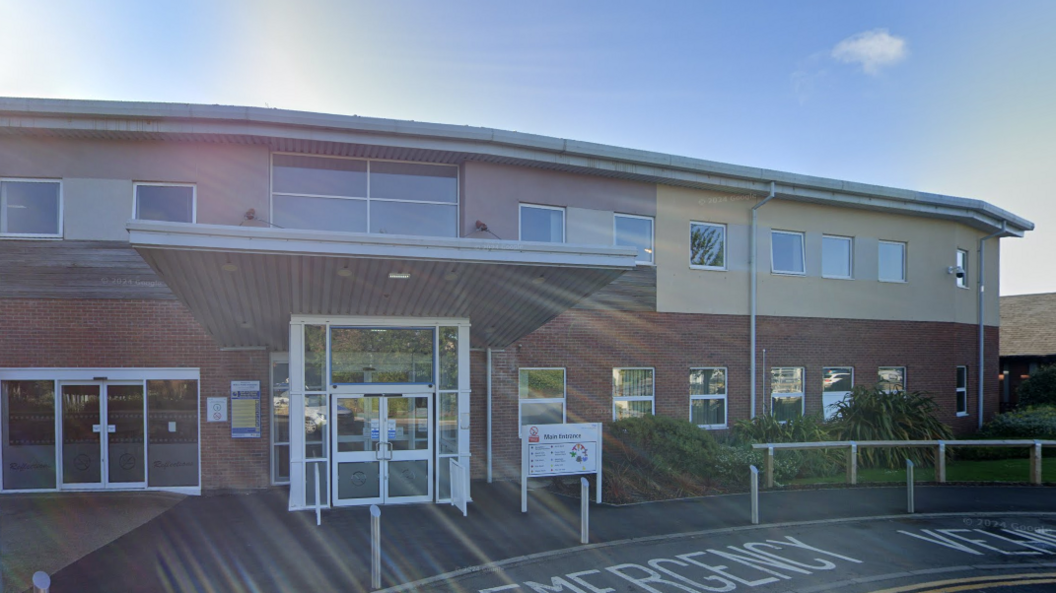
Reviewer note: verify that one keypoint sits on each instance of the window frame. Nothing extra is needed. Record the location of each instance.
(843, 394)
(802, 395)
(802, 253)
(905, 262)
(135, 197)
(652, 235)
(724, 397)
(962, 282)
(961, 392)
(651, 398)
(905, 376)
(564, 219)
(278, 358)
(542, 400)
(3, 210)
(850, 257)
(725, 246)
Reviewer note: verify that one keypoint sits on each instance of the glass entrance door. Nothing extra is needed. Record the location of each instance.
(382, 449)
(103, 443)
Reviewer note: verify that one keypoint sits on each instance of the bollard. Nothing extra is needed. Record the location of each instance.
(852, 464)
(584, 511)
(770, 467)
(41, 582)
(940, 463)
(318, 509)
(1035, 463)
(909, 487)
(755, 494)
(375, 546)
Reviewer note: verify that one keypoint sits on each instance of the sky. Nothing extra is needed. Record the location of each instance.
(957, 98)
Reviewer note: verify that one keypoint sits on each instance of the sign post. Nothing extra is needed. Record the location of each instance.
(559, 450)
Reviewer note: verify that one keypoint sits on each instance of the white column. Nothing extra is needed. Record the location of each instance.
(297, 477)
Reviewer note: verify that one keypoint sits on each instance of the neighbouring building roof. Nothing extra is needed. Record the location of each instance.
(1028, 325)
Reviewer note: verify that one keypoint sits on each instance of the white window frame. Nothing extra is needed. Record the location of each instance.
(194, 196)
(905, 262)
(850, 256)
(543, 400)
(277, 358)
(724, 397)
(650, 398)
(564, 219)
(962, 261)
(725, 250)
(3, 210)
(905, 376)
(802, 253)
(802, 395)
(961, 392)
(652, 236)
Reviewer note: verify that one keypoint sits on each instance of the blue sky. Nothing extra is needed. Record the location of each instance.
(950, 97)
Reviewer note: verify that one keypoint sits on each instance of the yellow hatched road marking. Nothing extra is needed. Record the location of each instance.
(991, 581)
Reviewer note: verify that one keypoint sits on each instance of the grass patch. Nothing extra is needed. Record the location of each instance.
(996, 470)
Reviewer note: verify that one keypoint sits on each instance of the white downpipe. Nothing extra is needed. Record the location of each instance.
(752, 265)
(982, 289)
(489, 415)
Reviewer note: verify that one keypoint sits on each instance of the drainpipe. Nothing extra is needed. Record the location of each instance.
(982, 288)
(752, 265)
(489, 415)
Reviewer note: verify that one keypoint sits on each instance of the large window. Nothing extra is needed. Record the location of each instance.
(27, 409)
(962, 263)
(962, 391)
(381, 355)
(30, 208)
(786, 253)
(168, 202)
(280, 419)
(892, 261)
(836, 256)
(349, 195)
(707, 397)
(637, 232)
(542, 223)
(542, 396)
(836, 385)
(632, 393)
(891, 379)
(786, 391)
(707, 246)
(172, 429)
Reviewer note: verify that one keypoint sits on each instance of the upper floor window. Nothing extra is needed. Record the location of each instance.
(892, 261)
(836, 257)
(360, 196)
(30, 208)
(169, 202)
(786, 252)
(707, 246)
(962, 263)
(542, 223)
(635, 231)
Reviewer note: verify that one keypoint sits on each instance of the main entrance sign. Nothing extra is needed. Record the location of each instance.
(559, 450)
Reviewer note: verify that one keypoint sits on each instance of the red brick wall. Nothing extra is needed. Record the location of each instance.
(589, 344)
(144, 333)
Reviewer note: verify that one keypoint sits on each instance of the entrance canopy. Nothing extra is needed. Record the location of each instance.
(244, 283)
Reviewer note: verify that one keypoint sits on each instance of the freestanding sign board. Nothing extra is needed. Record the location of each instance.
(559, 450)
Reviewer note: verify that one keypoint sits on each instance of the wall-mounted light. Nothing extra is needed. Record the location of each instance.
(399, 275)
(344, 273)
(229, 267)
(538, 280)
(450, 276)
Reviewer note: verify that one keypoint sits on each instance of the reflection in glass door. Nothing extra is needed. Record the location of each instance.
(82, 443)
(103, 432)
(124, 436)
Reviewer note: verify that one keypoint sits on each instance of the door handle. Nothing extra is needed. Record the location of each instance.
(97, 428)
(111, 428)
(388, 449)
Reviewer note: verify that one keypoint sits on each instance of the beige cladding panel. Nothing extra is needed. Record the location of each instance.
(930, 294)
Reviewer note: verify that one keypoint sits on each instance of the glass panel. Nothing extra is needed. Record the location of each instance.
(636, 232)
(443, 469)
(165, 202)
(708, 412)
(361, 479)
(282, 463)
(962, 377)
(29, 434)
(707, 382)
(787, 250)
(633, 409)
(892, 261)
(836, 257)
(364, 355)
(409, 478)
(81, 434)
(413, 181)
(962, 262)
(408, 419)
(408, 218)
(280, 399)
(315, 414)
(787, 408)
(31, 207)
(542, 412)
(172, 424)
(448, 422)
(707, 245)
(309, 483)
(632, 382)
(319, 176)
(358, 423)
(320, 214)
(837, 379)
(891, 378)
(448, 358)
(962, 402)
(124, 411)
(786, 380)
(542, 224)
(314, 357)
(541, 383)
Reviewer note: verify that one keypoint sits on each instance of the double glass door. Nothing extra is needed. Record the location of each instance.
(382, 449)
(103, 443)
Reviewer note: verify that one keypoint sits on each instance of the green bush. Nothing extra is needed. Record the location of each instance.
(871, 414)
(1035, 422)
(1040, 388)
(765, 428)
(731, 466)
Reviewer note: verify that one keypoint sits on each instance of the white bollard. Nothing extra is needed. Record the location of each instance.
(41, 582)
(755, 494)
(375, 546)
(909, 486)
(318, 508)
(584, 511)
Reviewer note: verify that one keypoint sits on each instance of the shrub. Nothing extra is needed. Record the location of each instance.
(1040, 388)
(871, 414)
(1035, 422)
(802, 464)
(731, 467)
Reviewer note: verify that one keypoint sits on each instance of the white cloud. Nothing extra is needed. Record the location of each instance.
(872, 49)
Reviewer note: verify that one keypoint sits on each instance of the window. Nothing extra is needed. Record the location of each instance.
(786, 252)
(962, 263)
(632, 393)
(786, 391)
(707, 246)
(892, 261)
(381, 355)
(836, 385)
(542, 223)
(891, 379)
(30, 208)
(707, 397)
(962, 391)
(280, 419)
(362, 196)
(635, 231)
(837, 253)
(542, 396)
(167, 202)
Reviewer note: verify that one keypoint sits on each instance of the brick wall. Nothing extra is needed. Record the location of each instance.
(589, 344)
(144, 333)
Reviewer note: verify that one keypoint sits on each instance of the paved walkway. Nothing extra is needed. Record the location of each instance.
(251, 543)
